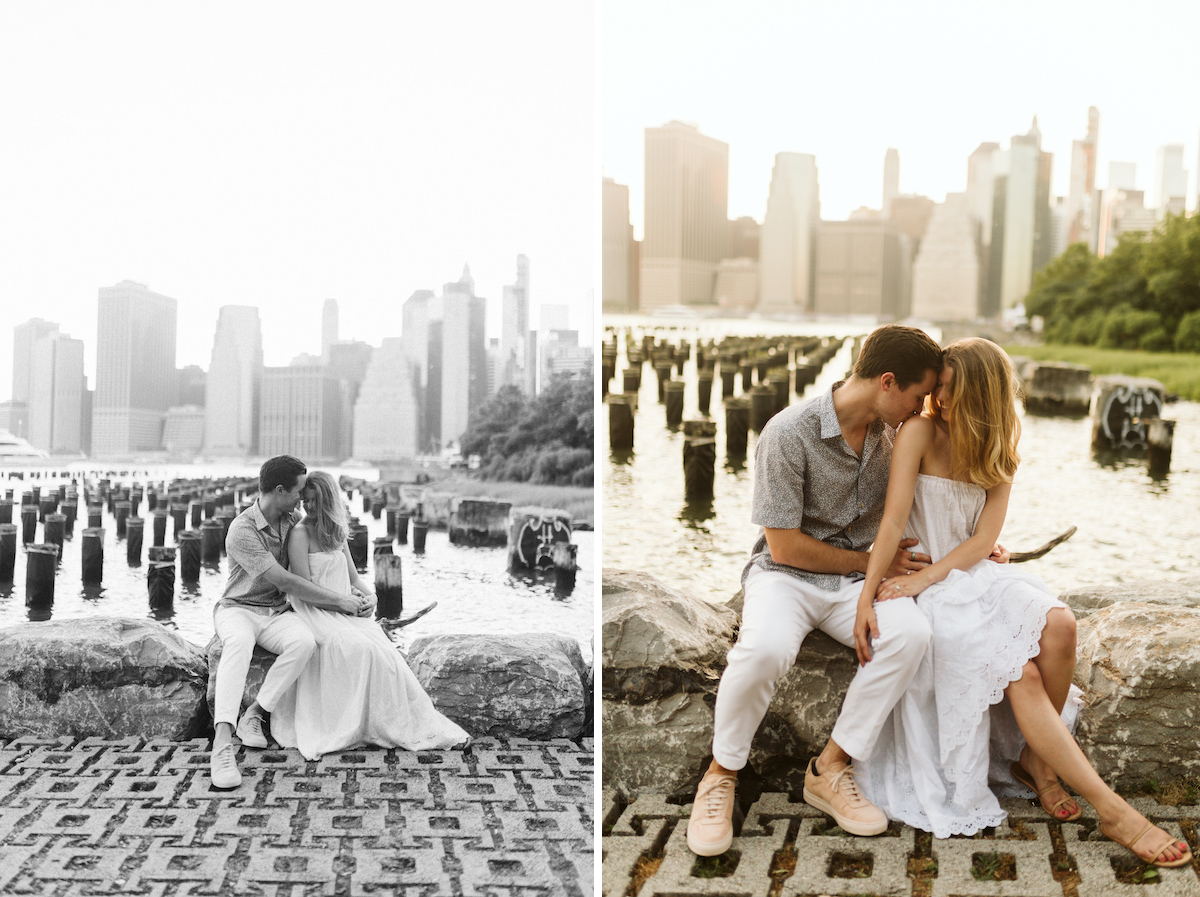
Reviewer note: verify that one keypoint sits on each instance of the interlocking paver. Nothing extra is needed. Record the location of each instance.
(82, 818)
(1094, 855)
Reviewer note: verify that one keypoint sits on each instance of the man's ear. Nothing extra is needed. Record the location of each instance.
(887, 380)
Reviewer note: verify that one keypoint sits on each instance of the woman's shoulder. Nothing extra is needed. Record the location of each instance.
(921, 428)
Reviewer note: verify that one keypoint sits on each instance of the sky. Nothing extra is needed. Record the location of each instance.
(279, 154)
(845, 81)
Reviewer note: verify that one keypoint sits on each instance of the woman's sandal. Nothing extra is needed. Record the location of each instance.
(1168, 842)
(1019, 773)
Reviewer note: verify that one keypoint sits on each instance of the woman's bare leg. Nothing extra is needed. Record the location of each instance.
(1049, 739)
(1056, 664)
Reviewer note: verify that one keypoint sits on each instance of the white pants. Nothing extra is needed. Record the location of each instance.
(779, 612)
(239, 630)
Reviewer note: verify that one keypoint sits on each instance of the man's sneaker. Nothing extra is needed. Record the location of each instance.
(223, 768)
(835, 792)
(250, 731)
(710, 830)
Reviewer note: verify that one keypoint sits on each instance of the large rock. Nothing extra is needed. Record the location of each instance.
(528, 685)
(1139, 667)
(1086, 600)
(659, 746)
(110, 677)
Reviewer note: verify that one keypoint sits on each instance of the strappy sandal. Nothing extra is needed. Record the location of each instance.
(1166, 864)
(1019, 773)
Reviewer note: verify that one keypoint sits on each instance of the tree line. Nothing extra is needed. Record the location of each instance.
(1145, 294)
(544, 439)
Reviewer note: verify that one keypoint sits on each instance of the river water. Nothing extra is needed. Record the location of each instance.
(472, 587)
(1130, 526)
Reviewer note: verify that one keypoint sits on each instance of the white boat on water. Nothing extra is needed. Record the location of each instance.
(15, 450)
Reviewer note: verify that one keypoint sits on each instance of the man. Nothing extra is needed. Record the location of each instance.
(254, 610)
(820, 480)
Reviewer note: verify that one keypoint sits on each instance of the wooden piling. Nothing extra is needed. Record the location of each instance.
(135, 530)
(402, 529)
(737, 426)
(160, 584)
(179, 515)
(728, 382)
(376, 507)
(631, 380)
(420, 529)
(762, 406)
(673, 390)
(159, 516)
(746, 369)
(1159, 438)
(563, 555)
(381, 545)
(70, 508)
(29, 519)
(189, 556)
(8, 551)
(41, 562)
(47, 505)
(532, 533)
(358, 546)
(196, 514)
(699, 467)
(54, 530)
(92, 550)
(620, 422)
(95, 512)
(212, 538)
(663, 370)
(389, 586)
(6, 507)
(121, 512)
(705, 382)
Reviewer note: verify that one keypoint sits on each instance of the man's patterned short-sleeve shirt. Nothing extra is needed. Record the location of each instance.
(807, 477)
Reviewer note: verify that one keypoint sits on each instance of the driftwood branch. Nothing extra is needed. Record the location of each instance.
(404, 621)
(1019, 556)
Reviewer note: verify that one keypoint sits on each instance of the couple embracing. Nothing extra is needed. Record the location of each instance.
(338, 681)
(885, 537)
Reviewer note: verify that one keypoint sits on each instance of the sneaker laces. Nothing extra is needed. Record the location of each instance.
(716, 796)
(223, 758)
(253, 723)
(850, 790)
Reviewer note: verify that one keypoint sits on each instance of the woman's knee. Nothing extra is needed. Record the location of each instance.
(1060, 628)
(904, 625)
(301, 645)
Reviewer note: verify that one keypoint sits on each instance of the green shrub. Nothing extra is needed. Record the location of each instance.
(1187, 337)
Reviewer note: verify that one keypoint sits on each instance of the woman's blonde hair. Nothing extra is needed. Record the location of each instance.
(328, 521)
(981, 412)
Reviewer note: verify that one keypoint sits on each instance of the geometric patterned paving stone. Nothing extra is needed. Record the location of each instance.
(818, 853)
(750, 876)
(1093, 859)
(412, 870)
(207, 865)
(955, 857)
(622, 852)
(284, 865)
(494, 872)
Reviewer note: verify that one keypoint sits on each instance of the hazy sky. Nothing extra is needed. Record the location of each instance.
(276, 154)
(846, 80)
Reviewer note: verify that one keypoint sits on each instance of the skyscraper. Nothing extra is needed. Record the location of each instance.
(386, 416)
(15, 412)
(686, 223)
(945, 278)
(617, 238)
(415, 339)
(1170, 180)
(1022, 224)
(463, 356)
(301, 413)
(516, 368)
(891, 180)
(329, 326)
(789, 234)
(234, 383)
(1082, 189)
(135, 369)
(56, 394)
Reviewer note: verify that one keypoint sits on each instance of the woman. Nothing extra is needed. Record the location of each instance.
(997, 632)
(356, 688)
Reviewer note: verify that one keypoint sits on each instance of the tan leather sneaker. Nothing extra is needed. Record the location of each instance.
(710, 829)
(835, 792)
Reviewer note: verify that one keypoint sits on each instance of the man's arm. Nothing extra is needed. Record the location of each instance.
(298, 585)
(796, 549)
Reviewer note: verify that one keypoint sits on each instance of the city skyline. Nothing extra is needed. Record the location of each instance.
(847, 82)
(299, 156)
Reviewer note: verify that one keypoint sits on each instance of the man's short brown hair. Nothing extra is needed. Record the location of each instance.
(905, 351)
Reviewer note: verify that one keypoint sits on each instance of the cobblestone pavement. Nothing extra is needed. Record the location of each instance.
(89, 817)
(788, 849)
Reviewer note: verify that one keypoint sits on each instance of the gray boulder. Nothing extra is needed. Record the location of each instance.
(1139, 667)
(1086, 600)
(528, 685)
(659, 746)
(110, 677)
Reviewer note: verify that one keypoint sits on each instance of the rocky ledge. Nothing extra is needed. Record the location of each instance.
(115, 677)
(663, 652)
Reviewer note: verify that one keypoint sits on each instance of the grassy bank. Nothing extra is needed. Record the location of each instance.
(577, 501)
(1179, 372)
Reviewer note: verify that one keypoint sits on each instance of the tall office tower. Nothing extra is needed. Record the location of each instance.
(1122, 212)
(1022, 226)
(301, 413)
(1060, 226)
(349, 361)
(56, 390)
(745, 237)
(463, 356)
(1170, 180)
(191, 386)
(563, 356)
(911, 214)
(234, 383)
(135, 369)
(1083, 181)
(329, 326)
(25, 336)
(863, 268)
(687, 216)
(945, 275)
(386, 424)
(617, 239)
(891, 180)
(789, 235)
(414, 337)
(980, 188)
(516, 368)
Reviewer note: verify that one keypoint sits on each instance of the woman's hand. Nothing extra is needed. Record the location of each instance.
(898, 586)
(865, 629)
(907, 560)
(366, 604)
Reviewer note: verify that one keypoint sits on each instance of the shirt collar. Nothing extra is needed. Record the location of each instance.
(829, 420)
(256, 515)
